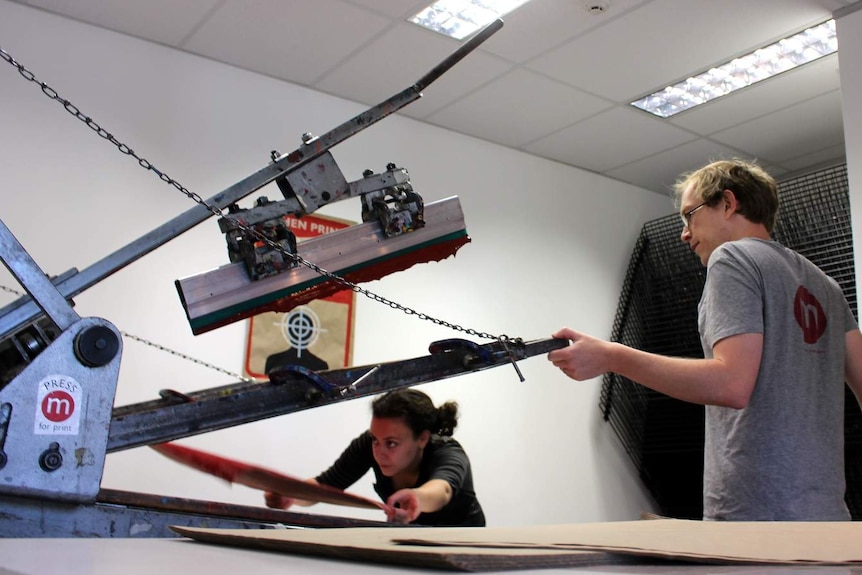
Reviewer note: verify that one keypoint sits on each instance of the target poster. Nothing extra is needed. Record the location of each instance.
(317, 335)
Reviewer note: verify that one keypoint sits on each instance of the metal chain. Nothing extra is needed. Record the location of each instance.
(163, 348)
(72, 109)
(191, 359)
(10, 290)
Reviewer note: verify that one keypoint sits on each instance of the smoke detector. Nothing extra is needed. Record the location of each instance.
(597, 7)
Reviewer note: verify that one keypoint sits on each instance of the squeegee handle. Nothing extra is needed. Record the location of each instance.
(458, 54)
(318, 146)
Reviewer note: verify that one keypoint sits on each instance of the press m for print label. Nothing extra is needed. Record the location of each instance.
(58, 406)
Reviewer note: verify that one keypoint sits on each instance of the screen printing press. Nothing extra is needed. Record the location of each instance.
(59, 371)
(59, 375)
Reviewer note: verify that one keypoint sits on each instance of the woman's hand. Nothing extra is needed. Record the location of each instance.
(403, 506)
(277, 500)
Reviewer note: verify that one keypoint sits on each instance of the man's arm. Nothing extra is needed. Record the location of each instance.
(726, 380)
(853, 362)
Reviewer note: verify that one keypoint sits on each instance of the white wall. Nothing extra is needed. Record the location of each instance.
(849, 27)
(550, 245)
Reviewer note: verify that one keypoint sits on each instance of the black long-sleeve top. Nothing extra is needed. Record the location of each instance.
(443, 458)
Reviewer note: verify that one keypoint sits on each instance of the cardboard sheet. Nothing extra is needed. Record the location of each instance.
(480, 549)
(374, 545)
(804, 543)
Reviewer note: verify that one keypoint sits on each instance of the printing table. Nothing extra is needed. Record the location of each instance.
(40, 556)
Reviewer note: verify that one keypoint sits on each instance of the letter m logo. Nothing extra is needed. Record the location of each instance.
(809, 315)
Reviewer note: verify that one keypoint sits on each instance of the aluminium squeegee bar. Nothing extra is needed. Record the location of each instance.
(227, 294)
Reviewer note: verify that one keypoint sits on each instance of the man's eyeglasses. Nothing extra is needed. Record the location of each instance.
(686, 217)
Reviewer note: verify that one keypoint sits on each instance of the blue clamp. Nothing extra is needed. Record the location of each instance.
(470, 351)
(323, 385)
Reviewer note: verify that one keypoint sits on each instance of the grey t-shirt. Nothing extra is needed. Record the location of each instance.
(780, 458)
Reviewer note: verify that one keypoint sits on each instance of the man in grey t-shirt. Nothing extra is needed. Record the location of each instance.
(779, 342)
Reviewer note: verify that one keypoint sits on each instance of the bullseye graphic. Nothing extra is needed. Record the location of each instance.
(301, 328)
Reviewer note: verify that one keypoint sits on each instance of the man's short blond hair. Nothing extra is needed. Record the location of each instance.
(755, 190)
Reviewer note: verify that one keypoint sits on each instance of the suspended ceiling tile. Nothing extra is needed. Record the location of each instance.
(659, 43)
(518, 108)
(295, 41)
(401, 56)
(659, 172)
(633, 48)
(805, 128)
(397, 9)
(828, 156)
(541, 25)
(142, 19)
(583, 144)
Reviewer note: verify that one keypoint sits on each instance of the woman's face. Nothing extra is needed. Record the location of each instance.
(395, 449)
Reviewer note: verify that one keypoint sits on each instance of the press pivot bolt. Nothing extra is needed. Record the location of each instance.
(51, 459)
(96, 346)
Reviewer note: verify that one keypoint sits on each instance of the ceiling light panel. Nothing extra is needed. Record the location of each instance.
(786, 54)
(460, 18)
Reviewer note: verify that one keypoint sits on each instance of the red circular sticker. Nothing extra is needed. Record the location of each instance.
(58, 406)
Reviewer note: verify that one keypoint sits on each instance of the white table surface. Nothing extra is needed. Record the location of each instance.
(186, 557)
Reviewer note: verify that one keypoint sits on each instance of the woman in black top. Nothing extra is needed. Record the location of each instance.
(419, 468)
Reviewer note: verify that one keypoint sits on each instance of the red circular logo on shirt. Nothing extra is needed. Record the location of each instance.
(809, 315)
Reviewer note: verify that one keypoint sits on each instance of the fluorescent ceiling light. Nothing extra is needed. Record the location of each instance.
(761, 64)
(460, 18)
